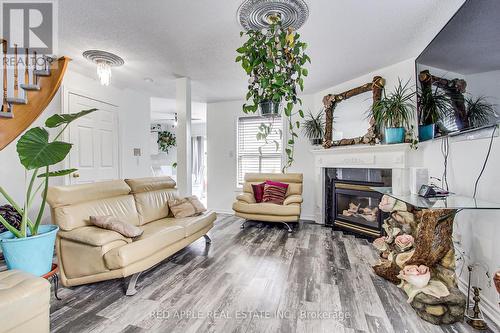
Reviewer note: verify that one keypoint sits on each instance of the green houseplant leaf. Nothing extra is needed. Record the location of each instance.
(35, 151)
(58, 173)
(59, 119)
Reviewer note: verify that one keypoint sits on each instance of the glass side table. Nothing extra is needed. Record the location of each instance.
(418, 254)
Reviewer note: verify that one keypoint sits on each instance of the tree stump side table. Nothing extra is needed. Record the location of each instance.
(417, 252)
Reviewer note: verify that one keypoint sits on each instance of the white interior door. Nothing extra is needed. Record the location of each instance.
(95, 150)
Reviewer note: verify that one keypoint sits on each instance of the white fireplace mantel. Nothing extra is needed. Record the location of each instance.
(395, 157)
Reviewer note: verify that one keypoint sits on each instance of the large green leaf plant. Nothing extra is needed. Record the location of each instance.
(37, 153)
(274, 60)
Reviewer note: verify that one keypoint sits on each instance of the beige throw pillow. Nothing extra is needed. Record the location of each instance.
(114, 224)
(186, 207)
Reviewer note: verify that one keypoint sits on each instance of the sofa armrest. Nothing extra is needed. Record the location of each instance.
(293, 199)
(93, 236)
(246, 197)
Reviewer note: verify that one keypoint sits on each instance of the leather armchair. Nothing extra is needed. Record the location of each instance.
(24, 303)
(246, 207)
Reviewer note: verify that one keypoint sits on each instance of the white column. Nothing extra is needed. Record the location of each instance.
(184, 162)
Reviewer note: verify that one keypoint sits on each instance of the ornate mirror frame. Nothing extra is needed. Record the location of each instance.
(330, 102)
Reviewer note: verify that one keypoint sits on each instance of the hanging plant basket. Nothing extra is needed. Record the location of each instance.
(274, 60)
(269, 109)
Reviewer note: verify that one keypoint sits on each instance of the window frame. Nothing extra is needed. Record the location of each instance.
(239, 185)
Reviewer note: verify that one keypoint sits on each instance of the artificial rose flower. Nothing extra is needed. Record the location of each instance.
(417, 276)
(380, 244)
(404, 242)
(387, 203)
(497, 281)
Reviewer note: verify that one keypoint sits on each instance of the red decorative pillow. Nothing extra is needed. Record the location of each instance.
(270, 182)
(274, 194)
(258, 192)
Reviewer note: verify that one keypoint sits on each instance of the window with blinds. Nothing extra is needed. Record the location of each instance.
(258, 155)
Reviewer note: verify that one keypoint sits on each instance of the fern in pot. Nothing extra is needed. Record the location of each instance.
(30, 246)
(313, 128)
(433, 106)
(395, 112)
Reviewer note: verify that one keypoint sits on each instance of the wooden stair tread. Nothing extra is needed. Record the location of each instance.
(42, 72)
(30, 86)
(8, 115)
(17, 100)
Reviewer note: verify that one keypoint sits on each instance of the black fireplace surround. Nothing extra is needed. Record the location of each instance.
(350, 204)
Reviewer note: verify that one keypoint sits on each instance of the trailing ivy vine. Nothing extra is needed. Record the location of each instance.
(274, 60)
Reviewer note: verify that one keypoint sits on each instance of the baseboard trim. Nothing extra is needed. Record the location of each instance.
(489, 309)
(222, 211)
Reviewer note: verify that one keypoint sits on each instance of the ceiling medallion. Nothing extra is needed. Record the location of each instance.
(104, 61)
(259, 14)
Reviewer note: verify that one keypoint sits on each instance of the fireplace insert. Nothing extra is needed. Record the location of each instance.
(351, 205)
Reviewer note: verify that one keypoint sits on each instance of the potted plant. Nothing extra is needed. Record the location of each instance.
(166, 140)
(479, 111)
(30, 247)
(433, 106)
(394, 112)
(274, 60)
(313, 128)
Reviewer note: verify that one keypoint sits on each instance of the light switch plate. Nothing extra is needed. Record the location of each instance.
(137, 152)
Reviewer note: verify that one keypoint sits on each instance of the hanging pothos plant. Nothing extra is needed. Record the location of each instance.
(274, 59)
(166, 140)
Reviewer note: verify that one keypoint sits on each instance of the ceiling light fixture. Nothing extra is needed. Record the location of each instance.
(259, 14)
(104, 61)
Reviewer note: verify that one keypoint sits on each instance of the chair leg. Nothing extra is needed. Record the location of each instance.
(208, 240)
(288, 227)
(131, 291)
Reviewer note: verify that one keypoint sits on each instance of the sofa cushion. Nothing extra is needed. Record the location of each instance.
(93, 236)
(186, 207)
(157, 235)
(58, 196)
(258, 191)
(267, 209)
(77, 215)
(153, 205)
(139, 185)
(114, 224)
(195, 223)
(274, 194)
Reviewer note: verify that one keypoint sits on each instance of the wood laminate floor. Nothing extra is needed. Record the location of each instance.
(260, 279)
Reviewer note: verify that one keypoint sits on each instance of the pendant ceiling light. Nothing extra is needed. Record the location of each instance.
(104, 61)
(258, 14)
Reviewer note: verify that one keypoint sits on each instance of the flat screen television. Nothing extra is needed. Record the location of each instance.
(458, 73)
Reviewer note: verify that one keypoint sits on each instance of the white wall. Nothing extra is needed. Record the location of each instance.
(134, 123)
(221, 154)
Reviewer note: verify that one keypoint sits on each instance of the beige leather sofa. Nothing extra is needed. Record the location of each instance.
(246, 207)
(89, 254)
(24, 303)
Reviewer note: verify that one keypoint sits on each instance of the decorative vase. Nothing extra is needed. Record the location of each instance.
(32, 254)
(316, 142)
(269, 109)
(426, 132)
(394, 135)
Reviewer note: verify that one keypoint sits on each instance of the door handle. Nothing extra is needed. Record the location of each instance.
(76, 175)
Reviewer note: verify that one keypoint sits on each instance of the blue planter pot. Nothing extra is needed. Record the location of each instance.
(31, 254)
(426, 132)
(394, 135)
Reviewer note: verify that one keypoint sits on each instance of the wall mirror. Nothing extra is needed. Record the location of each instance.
(348, 121)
